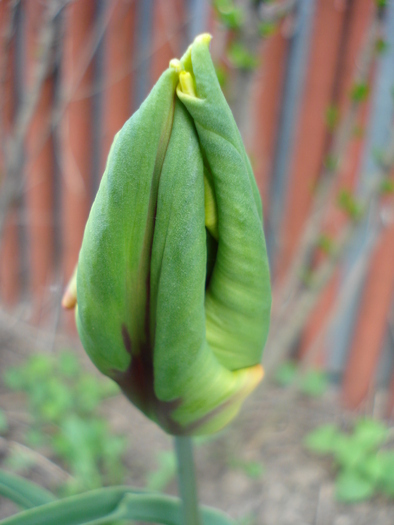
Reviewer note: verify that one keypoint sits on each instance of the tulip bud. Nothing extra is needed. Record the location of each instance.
(173, 290)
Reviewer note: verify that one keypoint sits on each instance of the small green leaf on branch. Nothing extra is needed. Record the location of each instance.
(387, 186)
(230, 16)
(359, 92)
(267, 29)
(326, 243)
(381, 46)
(240, 57)
(348, 203)
(332, 117)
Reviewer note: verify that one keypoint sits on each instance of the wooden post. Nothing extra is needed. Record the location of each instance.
(118, 76)
(371, 324)
(358, 23)
(77, 74)
(9, 252)
(267, 90)
(311, 129)
(39, 166)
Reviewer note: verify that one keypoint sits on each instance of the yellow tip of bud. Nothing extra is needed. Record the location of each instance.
(254, 374)
(69, 299)
(176, 64)
(187, 84)
(204, 38)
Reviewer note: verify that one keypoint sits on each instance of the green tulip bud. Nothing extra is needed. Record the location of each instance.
(173, 290)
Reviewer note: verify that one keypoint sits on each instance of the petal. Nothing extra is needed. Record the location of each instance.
(114, 262)
(238, 298)
(197, 393)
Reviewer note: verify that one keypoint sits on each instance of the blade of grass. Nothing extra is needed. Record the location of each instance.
(105, 505)
(22, 492)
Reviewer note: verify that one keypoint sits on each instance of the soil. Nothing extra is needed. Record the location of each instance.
(294, 488)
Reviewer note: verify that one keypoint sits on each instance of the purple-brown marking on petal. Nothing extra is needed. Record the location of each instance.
(137, 383)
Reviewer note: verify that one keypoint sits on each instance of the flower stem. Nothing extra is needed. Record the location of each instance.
(187, 484)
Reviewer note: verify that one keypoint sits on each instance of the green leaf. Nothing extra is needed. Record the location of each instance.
(314, 383)
(285, 374)
(323, 439)
(39, 366)
(241, 57)
(348, 452)
(351, 487)
(267, 29)
(58, 400)
(23, 492)
(387, 186)
(326, 243)
(348, 203)
(381, 46)
(373, 468)
(359, 92)
(68, 365)
(88, 393)
(332, 117)
(116, 503)
(230, 16)
(370, 433)
(387, 477)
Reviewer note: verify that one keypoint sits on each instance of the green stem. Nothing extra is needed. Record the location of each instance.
(187, 484)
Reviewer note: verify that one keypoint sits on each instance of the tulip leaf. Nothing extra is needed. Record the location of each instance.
(23, 492)
(106, 505)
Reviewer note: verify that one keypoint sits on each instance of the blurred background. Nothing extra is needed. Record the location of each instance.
(311, 86)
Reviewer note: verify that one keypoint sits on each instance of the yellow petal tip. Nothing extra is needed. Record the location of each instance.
(187, 84)
(69, 299)
(176, 64)
(204, 38)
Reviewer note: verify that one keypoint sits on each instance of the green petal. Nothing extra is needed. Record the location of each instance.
(238, 298)
(203, 393)
(114, 263)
